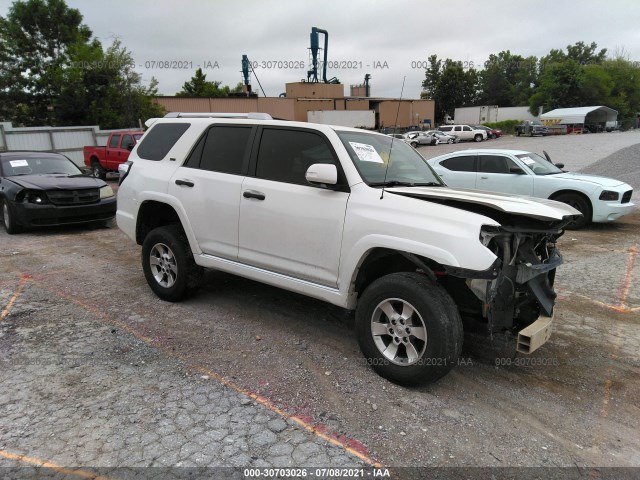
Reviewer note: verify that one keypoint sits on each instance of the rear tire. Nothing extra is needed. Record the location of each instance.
(581, 204)
(168, 263)
(97, 171)
(9, 219)
(409, 329)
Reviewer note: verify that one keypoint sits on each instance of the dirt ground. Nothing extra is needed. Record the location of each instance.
(573, 403)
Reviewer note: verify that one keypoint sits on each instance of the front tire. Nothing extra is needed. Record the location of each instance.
(478, 138)
(168, 263)
(9, 219)
(581, 204)
(414, 144)
(409, 329)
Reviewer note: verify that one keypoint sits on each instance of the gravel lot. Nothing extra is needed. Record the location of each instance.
(98, 373)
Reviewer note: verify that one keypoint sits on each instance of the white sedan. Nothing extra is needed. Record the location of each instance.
(599, 199)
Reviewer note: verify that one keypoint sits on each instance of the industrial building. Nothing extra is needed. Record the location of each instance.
(306, 100)
(304, 97)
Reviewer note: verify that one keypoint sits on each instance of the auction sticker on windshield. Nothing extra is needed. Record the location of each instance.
(366, 152)
(528, 160)
(18, 163)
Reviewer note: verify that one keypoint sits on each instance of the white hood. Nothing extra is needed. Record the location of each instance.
(538, 208)
(583, 177)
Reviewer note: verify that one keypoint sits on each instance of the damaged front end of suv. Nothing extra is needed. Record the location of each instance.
(514, 298)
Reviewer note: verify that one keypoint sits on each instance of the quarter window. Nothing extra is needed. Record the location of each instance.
(160, 139)
(462, 163)
(285, 155)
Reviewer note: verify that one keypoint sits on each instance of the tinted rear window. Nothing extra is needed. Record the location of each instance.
(160, 139)
(463, 163)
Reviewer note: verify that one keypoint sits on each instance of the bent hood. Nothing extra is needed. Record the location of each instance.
(56, 182)
(538, 208)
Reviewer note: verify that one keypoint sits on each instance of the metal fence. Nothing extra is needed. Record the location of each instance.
(66, 140)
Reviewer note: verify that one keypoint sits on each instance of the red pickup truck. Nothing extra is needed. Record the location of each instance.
(106, 159)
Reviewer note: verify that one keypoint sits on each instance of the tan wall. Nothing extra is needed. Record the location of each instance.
(358, 104)
(358, 91)
(276, 107)
(302, 106)
(411, 112)
(314, 90)
(297, 108)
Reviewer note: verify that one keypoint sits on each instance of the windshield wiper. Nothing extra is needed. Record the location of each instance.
(398, 183)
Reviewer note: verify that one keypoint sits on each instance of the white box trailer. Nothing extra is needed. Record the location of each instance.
(344, 118)
(491, 113)
(476, 115)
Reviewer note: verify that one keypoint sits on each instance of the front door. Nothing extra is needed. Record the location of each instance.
(286, 224)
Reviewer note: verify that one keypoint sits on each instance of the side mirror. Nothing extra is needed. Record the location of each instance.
(130, 146)
(560, 165)
(322, 174)
(516, 170)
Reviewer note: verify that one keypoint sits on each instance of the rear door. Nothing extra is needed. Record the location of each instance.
(209, 184)
(459, 171)
(286, 224)
(111, 151)
(495, 175)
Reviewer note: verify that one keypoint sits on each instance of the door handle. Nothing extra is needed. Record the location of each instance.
(184, 183)
(253, 194)
(484, 178)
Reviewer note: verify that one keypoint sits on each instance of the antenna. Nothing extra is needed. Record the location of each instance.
(393, 138)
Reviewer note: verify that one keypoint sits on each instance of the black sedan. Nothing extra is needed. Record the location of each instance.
(44, 189)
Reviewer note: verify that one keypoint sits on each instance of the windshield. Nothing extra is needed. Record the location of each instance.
(380, 165)
(44, 165)
(137, 136)
(538, 165)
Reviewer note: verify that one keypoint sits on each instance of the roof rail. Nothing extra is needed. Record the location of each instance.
(250, 115)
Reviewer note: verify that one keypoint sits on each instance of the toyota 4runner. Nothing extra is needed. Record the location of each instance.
(351, 217)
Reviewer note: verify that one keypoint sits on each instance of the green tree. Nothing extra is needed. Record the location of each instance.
(102, 87)
(507, 80)
(36, 36)
(199, 86)
(55, 73)
(449, 85)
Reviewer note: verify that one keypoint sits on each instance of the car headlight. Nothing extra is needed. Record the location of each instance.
(39, 198)
(106, 192)
(609, 196)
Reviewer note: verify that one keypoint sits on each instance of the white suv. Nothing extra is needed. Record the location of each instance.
(464, 132)
(349, 217)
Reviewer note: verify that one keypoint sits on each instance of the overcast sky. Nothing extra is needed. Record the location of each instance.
(388, 39)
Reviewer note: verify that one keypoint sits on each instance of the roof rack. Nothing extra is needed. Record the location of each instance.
(250, 115)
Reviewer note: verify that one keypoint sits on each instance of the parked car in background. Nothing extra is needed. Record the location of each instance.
(531, 128)
(599, 199)
(443, 137)
(464, 132)
(491, 132)
(399, 136)
(43, 189)
(421, 138)
(106, 159)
